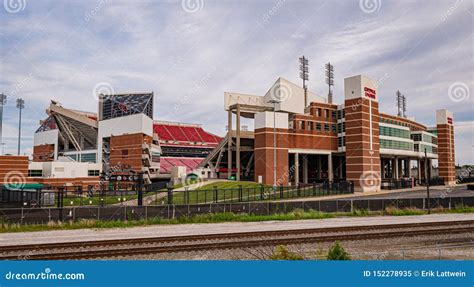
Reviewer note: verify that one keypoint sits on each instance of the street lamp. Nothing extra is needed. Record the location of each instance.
(274, 102)
(3, 101)
(20, 104)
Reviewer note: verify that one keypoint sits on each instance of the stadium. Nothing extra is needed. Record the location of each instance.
(298, 138)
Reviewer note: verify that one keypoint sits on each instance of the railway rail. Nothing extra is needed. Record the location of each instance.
(170, 244)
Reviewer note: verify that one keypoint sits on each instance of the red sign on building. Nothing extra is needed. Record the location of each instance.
(369, 93)
(450, 120)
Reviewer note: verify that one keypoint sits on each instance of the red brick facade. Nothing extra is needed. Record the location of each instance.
(446, 153)
(360, 163)
(42, 153)
(126, 150)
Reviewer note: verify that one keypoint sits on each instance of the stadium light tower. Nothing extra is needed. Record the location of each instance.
(304, 75)
(401, 105)
(329, 80)
(20, 104)
(3, 101)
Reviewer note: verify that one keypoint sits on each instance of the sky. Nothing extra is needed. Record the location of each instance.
(190, 52)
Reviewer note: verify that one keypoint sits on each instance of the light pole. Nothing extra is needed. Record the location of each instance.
(3, 101)
(274, 102)
(20, 104)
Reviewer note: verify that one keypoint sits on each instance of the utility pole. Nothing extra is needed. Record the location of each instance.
(20, 104)
(3, 101)
(427, 184)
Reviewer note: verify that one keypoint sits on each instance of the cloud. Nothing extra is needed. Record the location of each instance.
(61, 51)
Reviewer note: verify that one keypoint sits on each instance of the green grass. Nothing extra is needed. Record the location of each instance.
(230, 184)
(96, 200)
(297, 214)
(202, 218)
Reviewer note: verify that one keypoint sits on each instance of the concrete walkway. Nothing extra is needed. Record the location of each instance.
(19, 238)
(372, 193)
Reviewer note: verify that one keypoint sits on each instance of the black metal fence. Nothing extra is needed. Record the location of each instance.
(44, 215)
(249, 194)
(160, 194)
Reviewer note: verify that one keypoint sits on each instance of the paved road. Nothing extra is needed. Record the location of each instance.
(435, 192)
(19, 238)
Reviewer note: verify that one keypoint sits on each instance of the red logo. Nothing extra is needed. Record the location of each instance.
(450, 120)
(370, 93)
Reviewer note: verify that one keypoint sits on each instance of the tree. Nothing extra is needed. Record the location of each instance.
(337, 252)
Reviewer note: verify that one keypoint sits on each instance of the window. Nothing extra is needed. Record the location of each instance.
(394, 132)
(318, 126)
(93, 173)
(318, 112)
(301, 125)
(392, 144)
(88, 157)
(125, 152)
(326, 113)
(326, 127)
(35, 173)
(334, 114)
(334, 129)
(310, 126)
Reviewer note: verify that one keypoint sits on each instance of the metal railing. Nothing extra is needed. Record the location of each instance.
(160, 194)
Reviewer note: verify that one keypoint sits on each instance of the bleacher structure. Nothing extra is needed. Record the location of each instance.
(183, 145)
(122, 136)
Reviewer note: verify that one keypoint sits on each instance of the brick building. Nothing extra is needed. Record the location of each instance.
(354, 141)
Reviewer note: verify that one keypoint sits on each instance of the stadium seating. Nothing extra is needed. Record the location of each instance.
(185, 135)
(167, 163)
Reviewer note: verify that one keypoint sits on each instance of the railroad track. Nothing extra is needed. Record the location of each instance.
(128, 247)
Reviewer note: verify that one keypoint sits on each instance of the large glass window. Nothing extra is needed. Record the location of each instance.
(394, 132)
(391, 144)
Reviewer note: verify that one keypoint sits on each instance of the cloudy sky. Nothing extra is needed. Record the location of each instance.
(189, 52)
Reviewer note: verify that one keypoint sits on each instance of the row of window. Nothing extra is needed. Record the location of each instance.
(85, 157)
(424, 138)
(39, 173)
(341, 141)
(315, 126)
(341, 127)
(394, 132)
(393, 122)
(318, 112)
(429, 148)
(391, 144)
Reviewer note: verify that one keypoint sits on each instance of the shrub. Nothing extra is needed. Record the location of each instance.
(337, 252)
(281, 252)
